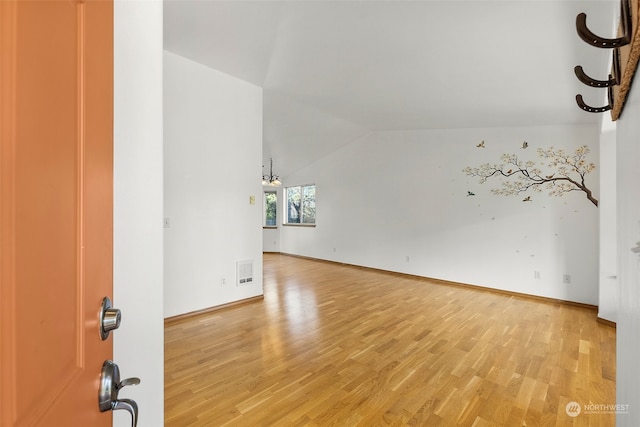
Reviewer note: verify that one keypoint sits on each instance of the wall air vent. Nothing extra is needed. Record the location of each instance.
(245, 272)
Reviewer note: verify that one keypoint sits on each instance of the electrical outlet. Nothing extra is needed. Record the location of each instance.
(536, 274)
(223, 281)
(408, 259)
(566, 279)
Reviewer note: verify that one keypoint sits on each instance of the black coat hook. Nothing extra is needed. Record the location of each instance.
(614, 79)
(597, 41)
(591, 109)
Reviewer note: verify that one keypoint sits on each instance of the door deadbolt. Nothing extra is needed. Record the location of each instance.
(109, 318)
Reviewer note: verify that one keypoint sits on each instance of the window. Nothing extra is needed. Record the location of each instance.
(270, 208)
(300, 205)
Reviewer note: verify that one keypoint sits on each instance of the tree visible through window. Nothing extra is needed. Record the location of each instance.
(301, 204)
(270, 208)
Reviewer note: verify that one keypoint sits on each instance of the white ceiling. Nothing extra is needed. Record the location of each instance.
(333, 71)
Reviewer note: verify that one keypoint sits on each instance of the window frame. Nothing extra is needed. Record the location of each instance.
(285, 201)
(264, 209)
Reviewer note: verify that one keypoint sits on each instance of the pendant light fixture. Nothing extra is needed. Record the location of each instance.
(271, 179)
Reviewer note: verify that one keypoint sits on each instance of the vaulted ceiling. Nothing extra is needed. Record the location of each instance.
(333, 71)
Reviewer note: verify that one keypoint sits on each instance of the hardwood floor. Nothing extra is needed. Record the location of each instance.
(345, 346)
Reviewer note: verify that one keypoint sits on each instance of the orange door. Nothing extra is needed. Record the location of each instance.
(56, 84)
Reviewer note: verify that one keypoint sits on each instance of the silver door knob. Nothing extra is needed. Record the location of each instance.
(109, 318)
(110, 385)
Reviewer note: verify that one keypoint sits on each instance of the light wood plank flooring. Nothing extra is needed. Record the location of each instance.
(344, 346)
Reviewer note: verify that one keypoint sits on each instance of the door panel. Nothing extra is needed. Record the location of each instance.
(56, 210)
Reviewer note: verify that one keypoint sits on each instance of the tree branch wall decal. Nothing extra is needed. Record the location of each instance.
(564, 172)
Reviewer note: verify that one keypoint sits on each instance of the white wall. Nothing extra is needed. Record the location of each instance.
(271, 239)
(628, 215)
(398, 201)
(608, 288)
(213, 158)
(139, 343)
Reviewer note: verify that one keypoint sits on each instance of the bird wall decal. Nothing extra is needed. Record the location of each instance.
(481, 145)
(525, 144)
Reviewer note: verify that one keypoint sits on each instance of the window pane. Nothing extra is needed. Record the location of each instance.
(270, 206)
(293, 205)
(309, 204)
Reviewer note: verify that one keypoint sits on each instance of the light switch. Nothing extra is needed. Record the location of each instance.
(252, 200)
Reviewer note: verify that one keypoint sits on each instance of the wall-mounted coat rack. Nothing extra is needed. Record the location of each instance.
(626, 53)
